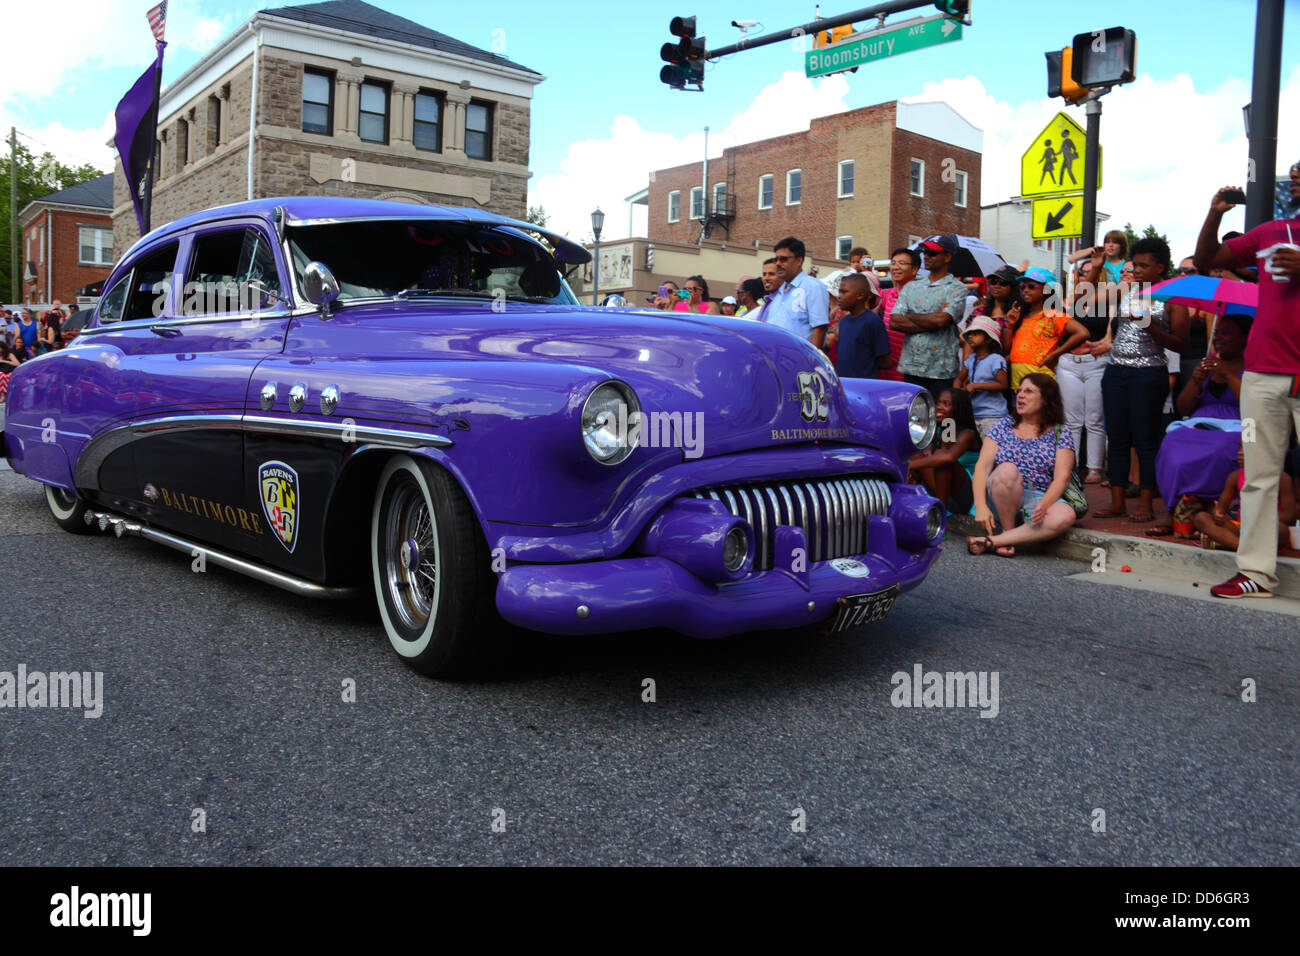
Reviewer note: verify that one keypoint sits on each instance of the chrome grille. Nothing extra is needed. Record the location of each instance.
(833, 513)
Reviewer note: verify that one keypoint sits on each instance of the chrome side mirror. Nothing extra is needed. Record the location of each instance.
(320, 287)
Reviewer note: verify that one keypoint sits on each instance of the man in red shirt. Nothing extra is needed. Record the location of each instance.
(1270, 386)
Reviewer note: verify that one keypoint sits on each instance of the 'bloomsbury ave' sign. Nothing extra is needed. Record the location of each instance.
(876, 45)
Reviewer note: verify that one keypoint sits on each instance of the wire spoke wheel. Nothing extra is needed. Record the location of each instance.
(409, 554)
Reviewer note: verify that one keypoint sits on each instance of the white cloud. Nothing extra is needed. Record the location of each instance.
(1167, 147)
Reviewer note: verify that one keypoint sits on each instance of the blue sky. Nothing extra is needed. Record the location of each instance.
(603, 102)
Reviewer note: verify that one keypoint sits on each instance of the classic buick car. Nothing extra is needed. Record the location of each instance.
(337, 394)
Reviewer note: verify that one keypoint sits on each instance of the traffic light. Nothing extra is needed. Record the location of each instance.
(1104, 57)
(685, 58)
(955, 9)
(1059, 81)
(834, 35)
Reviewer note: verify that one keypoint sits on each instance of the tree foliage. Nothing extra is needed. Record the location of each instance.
(37, 176)
(537, 215)
(1150, 233)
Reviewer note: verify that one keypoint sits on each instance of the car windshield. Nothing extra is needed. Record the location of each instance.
(418, 258)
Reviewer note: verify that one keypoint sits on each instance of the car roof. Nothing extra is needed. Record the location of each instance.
(303, 209)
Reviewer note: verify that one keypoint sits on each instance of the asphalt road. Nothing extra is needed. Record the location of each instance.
(225, 695)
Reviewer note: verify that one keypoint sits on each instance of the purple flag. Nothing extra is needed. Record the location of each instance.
(137, 128)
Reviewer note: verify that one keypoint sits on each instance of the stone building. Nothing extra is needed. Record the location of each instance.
(882, 176)
(67, 242)
(344, 99)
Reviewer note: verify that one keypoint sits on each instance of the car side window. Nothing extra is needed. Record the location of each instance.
(229, 271)
(150, 284)
(110, 307)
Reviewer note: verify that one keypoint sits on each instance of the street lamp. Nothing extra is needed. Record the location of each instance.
(597, 224)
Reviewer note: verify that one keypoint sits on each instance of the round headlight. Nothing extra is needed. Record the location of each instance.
(607, 419)
(934, 523)
(735, 549)
(920, 419)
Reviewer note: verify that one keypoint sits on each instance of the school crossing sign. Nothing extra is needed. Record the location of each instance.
(1053, 163)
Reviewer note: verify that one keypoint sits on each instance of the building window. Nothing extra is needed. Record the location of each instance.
(478, 130)
(842, 246)
(918, 177)
(697, 202)
(794, 187)
(182, 143)
(720, 198)
(373, 127)
(317, 102)
(765, 191)
(96, 246)
(427, 131)
(846, 178)
(959, 193)
(675, 205)
(214, 122)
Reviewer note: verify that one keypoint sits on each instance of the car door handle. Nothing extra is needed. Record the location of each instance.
(166, 331)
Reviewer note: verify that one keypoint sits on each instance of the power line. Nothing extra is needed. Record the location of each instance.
(60, 153)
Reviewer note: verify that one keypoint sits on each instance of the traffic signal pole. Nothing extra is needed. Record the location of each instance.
(826, 23)
(1091, 160)
(1263, 111)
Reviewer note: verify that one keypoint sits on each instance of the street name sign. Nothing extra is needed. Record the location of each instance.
(865, 47)
(1057, 217)
(1053, 163)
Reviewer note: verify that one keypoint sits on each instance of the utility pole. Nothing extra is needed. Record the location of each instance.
(1263, 112)
(14, 249)
(704, 191)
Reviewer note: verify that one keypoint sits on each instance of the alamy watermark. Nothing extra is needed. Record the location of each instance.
(684, 430)
(950, 689)
(37, 690)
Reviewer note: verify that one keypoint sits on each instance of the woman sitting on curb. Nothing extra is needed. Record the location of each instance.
(942, 466)
(1023, 471)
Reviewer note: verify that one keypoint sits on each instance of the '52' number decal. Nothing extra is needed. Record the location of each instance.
(812, 397)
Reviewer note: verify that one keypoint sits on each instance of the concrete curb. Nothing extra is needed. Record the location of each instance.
(1147, 555)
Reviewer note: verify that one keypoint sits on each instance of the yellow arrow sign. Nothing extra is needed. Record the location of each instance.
(1053, 163)
(1060, 217)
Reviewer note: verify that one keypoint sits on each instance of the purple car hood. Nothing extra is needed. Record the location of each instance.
(754, 385)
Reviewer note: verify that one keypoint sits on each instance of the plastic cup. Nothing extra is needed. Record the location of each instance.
(1268, 261)
(1295, 536)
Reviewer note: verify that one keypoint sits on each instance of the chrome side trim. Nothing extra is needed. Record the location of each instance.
(279, 579)
(105, 443)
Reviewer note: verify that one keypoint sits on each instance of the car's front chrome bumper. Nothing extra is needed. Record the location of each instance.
(631, 593)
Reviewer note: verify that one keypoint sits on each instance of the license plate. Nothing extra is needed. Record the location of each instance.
(858, 609)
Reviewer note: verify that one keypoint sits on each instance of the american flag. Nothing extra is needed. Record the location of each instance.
(158, 20)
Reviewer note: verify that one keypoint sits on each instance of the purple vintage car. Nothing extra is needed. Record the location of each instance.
(336, 394)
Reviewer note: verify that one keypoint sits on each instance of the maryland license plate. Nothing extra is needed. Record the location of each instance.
(858, 609)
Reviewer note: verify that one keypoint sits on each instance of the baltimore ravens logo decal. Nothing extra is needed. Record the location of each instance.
(278, 484)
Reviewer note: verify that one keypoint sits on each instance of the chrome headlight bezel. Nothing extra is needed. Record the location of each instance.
(605, 399)
(921, 420)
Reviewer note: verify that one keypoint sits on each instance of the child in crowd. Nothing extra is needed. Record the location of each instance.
(944, 467)
(1219, 530)
(859, 340)
(984, 373)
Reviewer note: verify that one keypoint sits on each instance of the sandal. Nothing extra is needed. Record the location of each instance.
(1143, 517)
(984, 542)
(1109, 513)
(1094, 478)
(1160, 531)
(1105, 482)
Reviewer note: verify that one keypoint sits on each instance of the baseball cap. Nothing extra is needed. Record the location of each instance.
(1038, 274)
(729, 300)
(940, 244)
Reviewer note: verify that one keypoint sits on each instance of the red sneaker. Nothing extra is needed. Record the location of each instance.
(1240, 587)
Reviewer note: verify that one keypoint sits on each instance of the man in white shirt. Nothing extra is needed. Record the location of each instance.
(801, 305)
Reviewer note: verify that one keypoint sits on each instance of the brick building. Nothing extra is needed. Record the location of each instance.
(881, 177)
(67, 241)
(342, 99)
